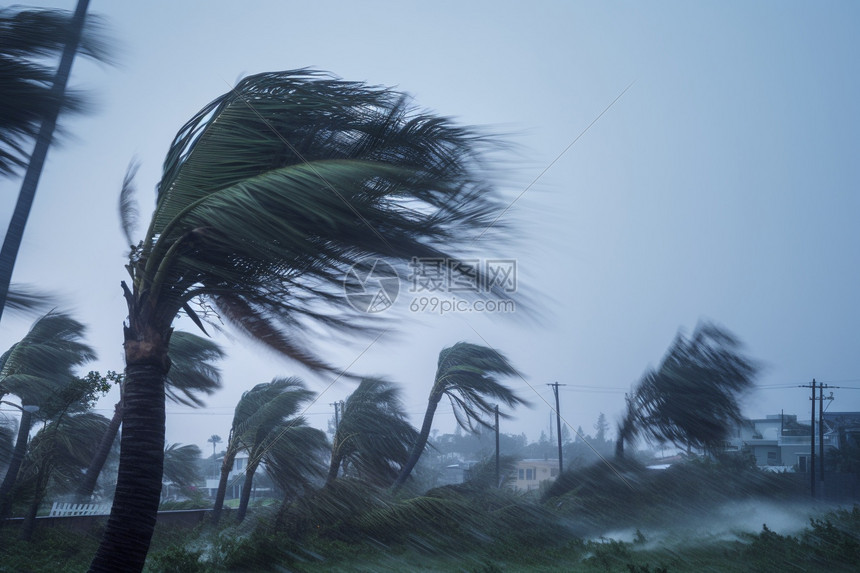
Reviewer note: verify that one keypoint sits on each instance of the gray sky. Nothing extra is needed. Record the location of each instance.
(722, 185)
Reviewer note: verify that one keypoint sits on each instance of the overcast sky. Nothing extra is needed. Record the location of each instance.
(722, 185)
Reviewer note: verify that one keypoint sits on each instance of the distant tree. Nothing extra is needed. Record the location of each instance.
(468, 375)
(693, 397)
(565, 435)
(580, 435)
(602, 428)
(214, 439)
(374, 436)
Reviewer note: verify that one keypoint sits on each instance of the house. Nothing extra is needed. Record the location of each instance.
(780, 441)
(235, 479)
(529, 474)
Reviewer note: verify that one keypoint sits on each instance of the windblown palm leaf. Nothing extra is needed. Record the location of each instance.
(468, 375)
(28, 39)
(373, 437)
(181, 464)
(294, 456)
(44, 360)
(192, 368)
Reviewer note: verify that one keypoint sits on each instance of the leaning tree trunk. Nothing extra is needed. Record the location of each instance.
(88, 485)
(129, 529)
(420, 442)
(246, 488)
(334, 464)
(29, 525)
(15, 464)
(15, 232)
(226, 466)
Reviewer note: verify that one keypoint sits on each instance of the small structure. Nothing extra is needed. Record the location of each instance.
(779, 440)
(529, 474)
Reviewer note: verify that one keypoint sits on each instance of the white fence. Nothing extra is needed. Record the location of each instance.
(73, 509)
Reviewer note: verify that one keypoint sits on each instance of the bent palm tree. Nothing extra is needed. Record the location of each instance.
(269, 195)
(193, 371)
(58, 455)
(29, 101)
(181, 464)
(259, 412)
(35, 369)
(468, 375)
(373, 436)
(294, 459)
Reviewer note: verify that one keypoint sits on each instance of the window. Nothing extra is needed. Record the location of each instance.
(771, 458)
(521, 474)
(530, 474)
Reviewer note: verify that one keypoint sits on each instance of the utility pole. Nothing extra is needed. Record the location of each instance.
(336, 418)
(812, 445)
(498, 467)
(821, 399)
(555, 386)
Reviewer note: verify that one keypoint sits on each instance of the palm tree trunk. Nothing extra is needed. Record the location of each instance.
(88, 485)
(226, 466)
(15, 232)
(334, 464)
(29, 524)
(246, 489)
(15, 464)
(421, 442)
(128, 533)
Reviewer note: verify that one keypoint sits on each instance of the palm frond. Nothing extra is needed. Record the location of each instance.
(374, 436)
(469, 375)
(273, 191)
(192, 370)
(45, 359)
(26, 300)
(27, 39)
(128, 211)
(180, 464)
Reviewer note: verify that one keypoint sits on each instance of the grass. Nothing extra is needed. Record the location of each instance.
(589, 521)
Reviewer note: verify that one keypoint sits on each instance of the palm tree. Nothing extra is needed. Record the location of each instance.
(373, 436)
(214, 439)
(260, 416)
(35, 369)
(693, 397)
(269, 195)
(59, 454)
(294, 458)
(181, 464)
(468, 375)
(28, 102)
(192, 372)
